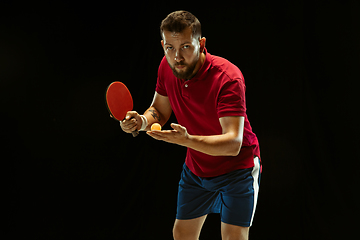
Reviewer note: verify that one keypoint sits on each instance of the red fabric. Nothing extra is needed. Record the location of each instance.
(217, 90)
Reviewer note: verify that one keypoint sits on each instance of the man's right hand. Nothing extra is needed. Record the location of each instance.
(131, 122)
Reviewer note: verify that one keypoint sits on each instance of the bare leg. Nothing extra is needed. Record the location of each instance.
(188, 229)
(233, 232)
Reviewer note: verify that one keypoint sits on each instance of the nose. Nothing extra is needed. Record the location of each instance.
(178, 57)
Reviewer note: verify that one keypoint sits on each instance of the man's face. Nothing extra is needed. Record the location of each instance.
(182, 52)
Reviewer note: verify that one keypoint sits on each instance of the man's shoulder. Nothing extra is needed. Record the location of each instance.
(225, 66)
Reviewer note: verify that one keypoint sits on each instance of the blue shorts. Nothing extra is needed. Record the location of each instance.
(233, 195)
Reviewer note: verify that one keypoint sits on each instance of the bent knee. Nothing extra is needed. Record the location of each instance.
(181, 233)
(233, 232)
(188, 229)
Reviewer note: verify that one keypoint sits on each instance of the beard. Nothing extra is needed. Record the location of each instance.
(187, 72)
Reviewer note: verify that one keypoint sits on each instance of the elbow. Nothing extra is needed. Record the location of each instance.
(235, 148)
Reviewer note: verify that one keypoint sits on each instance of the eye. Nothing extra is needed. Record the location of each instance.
(186, 46)
(169, 48)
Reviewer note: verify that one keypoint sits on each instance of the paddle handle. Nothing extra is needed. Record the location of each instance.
(135, 133)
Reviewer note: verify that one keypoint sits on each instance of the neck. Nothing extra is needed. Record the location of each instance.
(199, 63)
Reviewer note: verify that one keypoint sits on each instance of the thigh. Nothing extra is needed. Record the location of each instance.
(188, 229)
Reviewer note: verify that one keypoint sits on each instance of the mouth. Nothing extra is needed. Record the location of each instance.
(180, 66)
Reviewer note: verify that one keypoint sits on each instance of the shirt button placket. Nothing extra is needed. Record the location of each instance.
(185, 91)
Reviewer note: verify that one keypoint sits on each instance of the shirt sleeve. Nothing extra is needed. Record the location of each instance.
(231, 99)
(160, 84)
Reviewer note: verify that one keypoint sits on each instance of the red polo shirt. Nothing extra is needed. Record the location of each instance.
(217, 90)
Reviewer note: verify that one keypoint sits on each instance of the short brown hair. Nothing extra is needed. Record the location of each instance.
(178, 21)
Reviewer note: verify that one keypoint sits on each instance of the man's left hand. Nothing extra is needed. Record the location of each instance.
(178, 135)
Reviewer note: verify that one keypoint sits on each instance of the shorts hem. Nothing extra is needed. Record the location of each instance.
(240, 224)
(191, 217)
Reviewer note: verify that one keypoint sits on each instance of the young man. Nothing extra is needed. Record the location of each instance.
(207, 94)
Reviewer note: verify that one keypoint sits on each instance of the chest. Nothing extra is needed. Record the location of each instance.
(195, 104)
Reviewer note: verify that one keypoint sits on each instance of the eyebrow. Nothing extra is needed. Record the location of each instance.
(180, 44)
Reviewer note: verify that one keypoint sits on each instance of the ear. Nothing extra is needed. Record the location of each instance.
(202, 44)
(162, 43)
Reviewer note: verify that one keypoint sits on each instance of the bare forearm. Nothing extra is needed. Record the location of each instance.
(154, 116)
(215, 145)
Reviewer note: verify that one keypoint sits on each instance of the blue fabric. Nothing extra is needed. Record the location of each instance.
(231, 195)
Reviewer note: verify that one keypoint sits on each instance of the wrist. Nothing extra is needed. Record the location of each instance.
(144, 123)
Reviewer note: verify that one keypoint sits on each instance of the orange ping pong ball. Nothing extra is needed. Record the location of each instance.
(156, 126)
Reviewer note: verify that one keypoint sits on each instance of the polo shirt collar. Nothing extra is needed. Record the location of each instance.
(201, 74)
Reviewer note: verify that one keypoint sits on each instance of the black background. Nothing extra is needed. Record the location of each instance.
(68, 170)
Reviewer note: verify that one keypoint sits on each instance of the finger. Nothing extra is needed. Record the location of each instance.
(133, 129)
(129, 121)
(154, 135)
(128, 124)
(131, 114)
(177, 127)
(164, 133)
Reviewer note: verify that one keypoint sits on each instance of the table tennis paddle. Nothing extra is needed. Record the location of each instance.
(119, 101)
